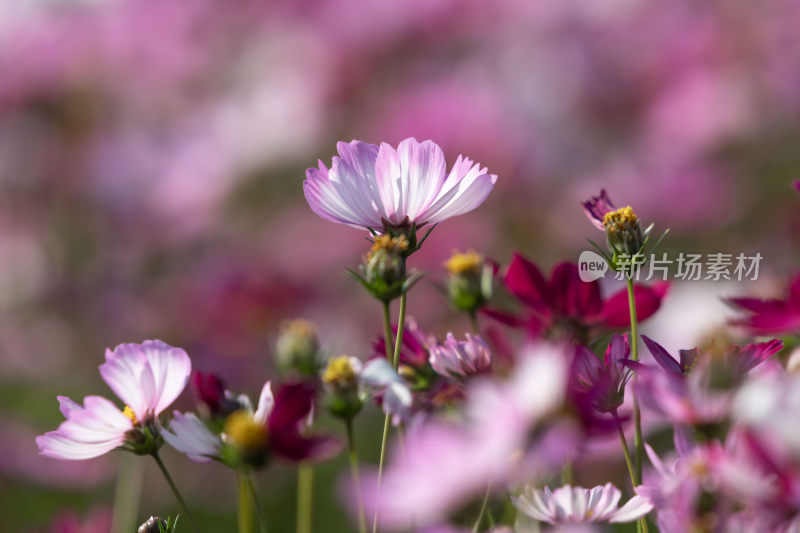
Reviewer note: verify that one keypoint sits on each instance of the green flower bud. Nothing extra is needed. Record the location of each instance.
(469, 285)
(297, 349)
(342, 385)
(623, 231)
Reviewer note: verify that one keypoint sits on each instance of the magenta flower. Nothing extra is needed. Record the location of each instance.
(564, 304)
(596, 208)
(382, 187)
(771, 316)
(460, 358)
(600, 384)
(147, 377)
(734, 363)
(569, 505)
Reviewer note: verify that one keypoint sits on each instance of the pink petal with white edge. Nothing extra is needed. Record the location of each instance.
(148, 377)
(266, 401)
(90, 430)
(634, 509)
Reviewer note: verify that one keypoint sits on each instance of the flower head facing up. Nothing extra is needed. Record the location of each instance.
(569, 505)
(341, 380)
(624, 233)
(147, 377)
(381, 187)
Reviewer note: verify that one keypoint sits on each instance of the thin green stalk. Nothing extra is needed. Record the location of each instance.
(175, 491)
(482, 512)
(351, 446)
(473, 322)
(244, 503)
(566, 473)
(262, 519)
(637, 416)
(401, 319)
(641, 524)
(305, 494)
(126, 494)
(387, 331)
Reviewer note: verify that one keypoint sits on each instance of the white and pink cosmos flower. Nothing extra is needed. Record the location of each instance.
(569, 505)
(454, 358)
(376, 187)
(147, 377)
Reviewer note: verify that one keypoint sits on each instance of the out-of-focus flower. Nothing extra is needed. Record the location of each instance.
(771, 316)
(460, 359)
(96, 521)
(378, 375)
(382, 187)
(148, 377)
(469, 283)
(297, 349)
(564, 304)
(601, 384)
(569, 504)
(413, 348)
(212, 394)
(597, 207)
(500, 438)
(341, 380)
(250, 436)
(729, 367)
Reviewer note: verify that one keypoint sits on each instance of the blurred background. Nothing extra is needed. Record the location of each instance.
(152, 154)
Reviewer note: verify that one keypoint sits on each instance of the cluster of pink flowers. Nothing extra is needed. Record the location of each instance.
(497, 427)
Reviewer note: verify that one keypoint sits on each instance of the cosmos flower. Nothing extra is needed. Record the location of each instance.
(564, 304)
(380, 187)
(147, 377)
(601, 384)
(455, 358)
(771, 316)
(274, 426)
(569, 504)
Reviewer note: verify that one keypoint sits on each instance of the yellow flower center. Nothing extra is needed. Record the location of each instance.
(620, 219)
(243, 431)
(391, 245)
(339, 370)
(128, 412)
(459, 263)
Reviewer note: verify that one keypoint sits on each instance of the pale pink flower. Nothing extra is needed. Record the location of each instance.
(456, 358)
(376, 187)
(147, 377)
(569, 504)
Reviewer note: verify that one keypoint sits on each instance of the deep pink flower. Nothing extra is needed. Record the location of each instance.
(772, 316)
(596, 208)
(600, 384)
(147, 377)
(375, 187)
(564, 302)
(211, 393)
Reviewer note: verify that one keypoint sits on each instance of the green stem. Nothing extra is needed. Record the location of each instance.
(387, 331)
(395, 359)
(126, 494)
(262, 520)
(566, 473)
(244, 500)
(175, 491)
(351, 446)
(641, 524)
(637, 416)
(473, 322)
(484, 505)
(305, 492)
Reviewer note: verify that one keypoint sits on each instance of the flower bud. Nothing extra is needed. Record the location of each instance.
(341, 379)
(212, 396)
(154, 524)
(469, 285)
(385, 266)
(623, 231)
(297, 349)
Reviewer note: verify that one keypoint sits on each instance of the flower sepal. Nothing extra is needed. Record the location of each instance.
(143, 440)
